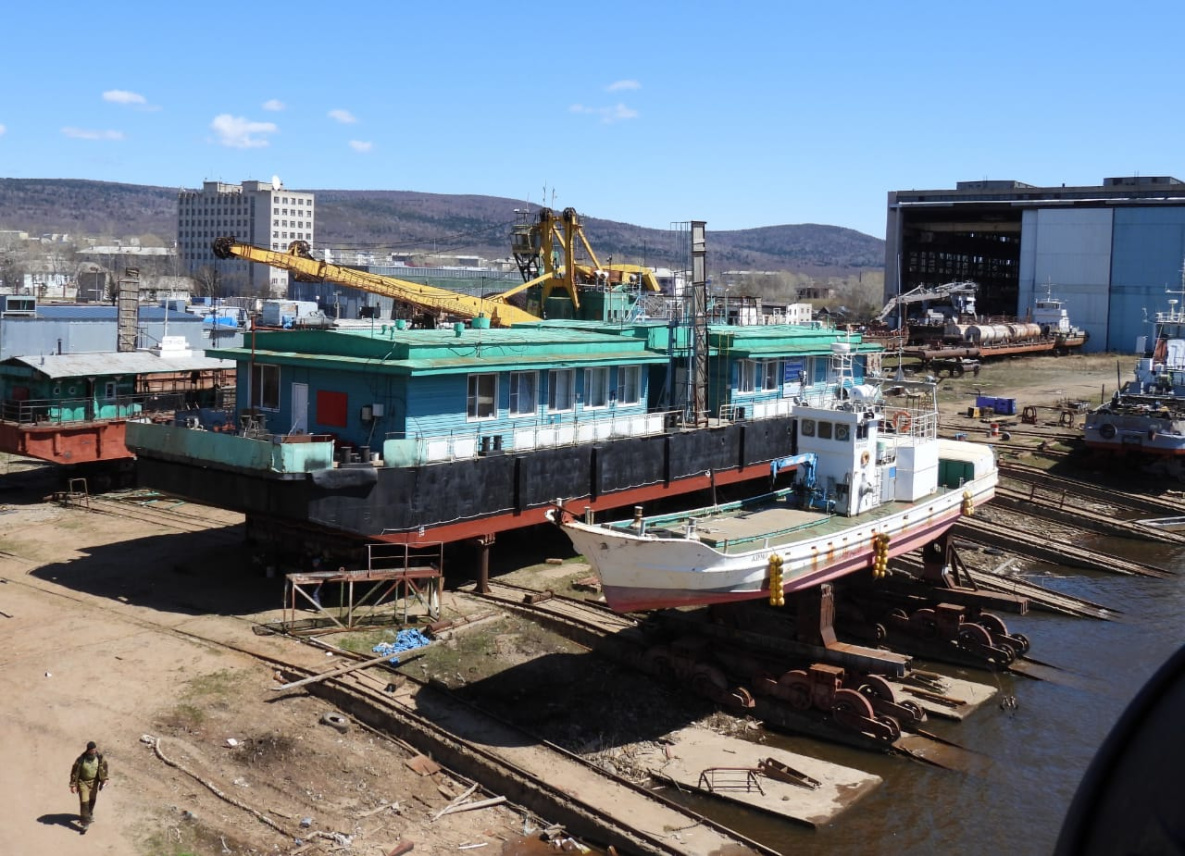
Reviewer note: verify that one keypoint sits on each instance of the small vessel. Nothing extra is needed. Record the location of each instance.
(1132, 423)
(1147, 414)
(872, 480)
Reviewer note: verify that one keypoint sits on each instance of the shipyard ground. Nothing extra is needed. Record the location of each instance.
(118, 627)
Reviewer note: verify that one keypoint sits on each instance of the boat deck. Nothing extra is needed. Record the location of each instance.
(742, 528)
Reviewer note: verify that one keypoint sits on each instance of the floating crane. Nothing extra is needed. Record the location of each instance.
(537, 245)
(299, 260)
(544, 250)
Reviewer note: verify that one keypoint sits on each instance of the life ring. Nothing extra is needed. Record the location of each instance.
(865, 458)
(901, 421)
(1107, 431)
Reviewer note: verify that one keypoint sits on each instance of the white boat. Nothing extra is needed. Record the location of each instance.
(872, 481)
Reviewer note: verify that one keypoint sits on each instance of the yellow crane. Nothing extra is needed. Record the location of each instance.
(549, 237)
(549, 243)
(301, 263)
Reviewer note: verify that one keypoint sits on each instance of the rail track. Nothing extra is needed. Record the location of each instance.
(1137, 502)
(620, 637)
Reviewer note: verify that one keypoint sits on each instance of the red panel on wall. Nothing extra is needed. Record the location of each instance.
(331, 408)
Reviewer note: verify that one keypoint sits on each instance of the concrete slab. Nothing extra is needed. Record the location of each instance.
(696, 750)
(943, 697)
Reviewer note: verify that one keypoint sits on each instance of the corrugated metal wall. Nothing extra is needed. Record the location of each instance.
(1149, 249)
(34, 336)
(1070, 249)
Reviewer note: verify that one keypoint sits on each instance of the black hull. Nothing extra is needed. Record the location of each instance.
(451, 501)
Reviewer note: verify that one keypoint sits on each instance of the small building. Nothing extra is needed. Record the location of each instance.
(73, 408)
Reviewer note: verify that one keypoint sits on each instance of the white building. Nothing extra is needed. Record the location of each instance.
(262, 213)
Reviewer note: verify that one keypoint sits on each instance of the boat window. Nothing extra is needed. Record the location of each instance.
(862, 431)
(808, 427)
(561, 389)
(522, 393)
(773, 374)
(483, 396)
(265, 386)
(596, 387)
(843, 432)
(746, 375)
(824, 430)
(629, 385)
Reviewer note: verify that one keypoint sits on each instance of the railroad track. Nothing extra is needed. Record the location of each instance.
(1056, 508)
(1012, 539)
(1109, 496)
(619, 637)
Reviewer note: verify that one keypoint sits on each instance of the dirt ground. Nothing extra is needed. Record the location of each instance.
(110, 625)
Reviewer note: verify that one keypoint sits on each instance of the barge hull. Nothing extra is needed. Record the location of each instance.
(484, 495)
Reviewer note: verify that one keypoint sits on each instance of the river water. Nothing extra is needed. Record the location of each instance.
(1029, 761)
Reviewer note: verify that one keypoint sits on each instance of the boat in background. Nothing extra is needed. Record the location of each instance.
(1147, 414)
(872, 480)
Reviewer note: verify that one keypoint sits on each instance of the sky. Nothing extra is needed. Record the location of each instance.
(740, 114)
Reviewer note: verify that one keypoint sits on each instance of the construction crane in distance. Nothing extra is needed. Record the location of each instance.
(960, 294)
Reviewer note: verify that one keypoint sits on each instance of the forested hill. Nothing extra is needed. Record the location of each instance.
(394, 220)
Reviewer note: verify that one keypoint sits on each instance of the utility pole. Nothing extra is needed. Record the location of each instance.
(699, 299)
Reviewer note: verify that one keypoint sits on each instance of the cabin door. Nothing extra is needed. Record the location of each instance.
(300, 408)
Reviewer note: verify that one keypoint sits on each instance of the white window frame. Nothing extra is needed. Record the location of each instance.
(771, 375)
(746, 377)
(476, 397)
(629, 385)
(521, 405)
(554, 404)
(266, 374)
(596, 388)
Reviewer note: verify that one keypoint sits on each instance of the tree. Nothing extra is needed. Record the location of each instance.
(208, 282)
(12, 271)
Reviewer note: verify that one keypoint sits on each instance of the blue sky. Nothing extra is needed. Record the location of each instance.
(740, 114)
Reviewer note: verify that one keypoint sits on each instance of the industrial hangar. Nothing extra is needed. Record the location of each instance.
(1110, 252)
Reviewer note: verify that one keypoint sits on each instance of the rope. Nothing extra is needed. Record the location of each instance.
(262, 818)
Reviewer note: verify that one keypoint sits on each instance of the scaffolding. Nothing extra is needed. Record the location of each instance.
(396, 579)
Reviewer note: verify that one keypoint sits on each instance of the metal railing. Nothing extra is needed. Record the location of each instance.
(56, 411)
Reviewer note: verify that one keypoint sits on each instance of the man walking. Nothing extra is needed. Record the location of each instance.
(87, 778)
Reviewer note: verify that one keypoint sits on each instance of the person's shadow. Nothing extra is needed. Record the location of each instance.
(70, 821)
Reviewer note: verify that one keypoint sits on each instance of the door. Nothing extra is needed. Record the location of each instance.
(300, 409)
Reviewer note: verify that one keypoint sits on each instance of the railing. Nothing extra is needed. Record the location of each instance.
(56, 411)
(404, 449)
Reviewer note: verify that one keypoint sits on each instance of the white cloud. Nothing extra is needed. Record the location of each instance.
(239, 133)
(617, 113)
(343, 116)
(619, 85)
(122, 96)
(275, 105)
(360, 146)
(86, 134)
(2, 130)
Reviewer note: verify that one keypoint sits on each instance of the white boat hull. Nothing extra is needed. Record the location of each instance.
(641, 572)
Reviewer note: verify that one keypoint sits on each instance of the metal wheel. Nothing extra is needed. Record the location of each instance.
(877, 687)
(851, 702)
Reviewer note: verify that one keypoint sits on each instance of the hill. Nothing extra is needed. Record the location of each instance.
(393, 220)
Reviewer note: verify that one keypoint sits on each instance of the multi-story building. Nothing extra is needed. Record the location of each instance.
(263, 213)
(1109, 252)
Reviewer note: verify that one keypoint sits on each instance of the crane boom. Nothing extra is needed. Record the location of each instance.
(962, 292)
(299, 261)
